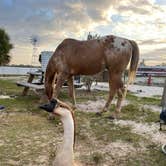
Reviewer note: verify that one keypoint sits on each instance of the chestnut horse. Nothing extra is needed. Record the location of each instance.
(73, 57)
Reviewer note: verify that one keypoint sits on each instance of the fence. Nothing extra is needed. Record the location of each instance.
(9, 70)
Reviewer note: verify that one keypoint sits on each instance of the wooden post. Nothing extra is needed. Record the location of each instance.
(163, 101)
(25, 91)
(149, 81)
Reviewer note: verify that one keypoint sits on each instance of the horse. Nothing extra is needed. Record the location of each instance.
(74, 57)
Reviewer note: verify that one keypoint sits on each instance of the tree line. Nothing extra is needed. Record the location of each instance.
(5, 47)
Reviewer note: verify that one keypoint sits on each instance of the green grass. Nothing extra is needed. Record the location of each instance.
(105, 130)
(27, 137)
(83, 95)
(139, 114)
(151, 157)
(7, 87)
(143, 100)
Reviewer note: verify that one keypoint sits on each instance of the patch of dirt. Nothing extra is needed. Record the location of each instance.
(149, 131)
(119, 149)
(91, 106)
(96, 106)
(4, 97)
(153, 108)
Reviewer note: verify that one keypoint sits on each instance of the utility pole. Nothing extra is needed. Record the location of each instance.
(163, 101)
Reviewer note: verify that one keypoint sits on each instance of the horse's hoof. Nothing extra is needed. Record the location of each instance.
(98, 113)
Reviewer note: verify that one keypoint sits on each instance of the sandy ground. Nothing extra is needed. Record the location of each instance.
(153, 108)
(149, 131)
(4, 97)
(138, 90)
(96, 106)
(145, 91)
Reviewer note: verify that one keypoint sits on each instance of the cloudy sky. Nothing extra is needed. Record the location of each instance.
(53, 20)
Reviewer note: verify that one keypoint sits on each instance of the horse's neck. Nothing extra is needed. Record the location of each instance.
(50, 70)
(65, 155)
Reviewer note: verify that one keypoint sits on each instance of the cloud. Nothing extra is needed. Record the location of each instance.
(151, 56)
(150, 42)
(54, 20)
(161, 53)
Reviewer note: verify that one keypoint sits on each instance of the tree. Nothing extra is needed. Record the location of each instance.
(5, 47)
(88, 80)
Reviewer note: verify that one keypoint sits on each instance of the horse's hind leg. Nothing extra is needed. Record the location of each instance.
(71, 90)
(121, 97)
(112, 91)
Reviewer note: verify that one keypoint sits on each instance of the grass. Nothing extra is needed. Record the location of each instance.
(83, 95)
(143, 100)
(27, 137)
(7, 87)
(152, 157)
(136, 113)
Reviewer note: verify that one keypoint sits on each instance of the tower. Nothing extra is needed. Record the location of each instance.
(34, 41)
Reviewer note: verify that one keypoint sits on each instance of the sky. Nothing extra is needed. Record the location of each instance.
(51, 21)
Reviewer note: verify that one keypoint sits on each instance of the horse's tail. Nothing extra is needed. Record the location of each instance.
(134, 62)
(133, 65)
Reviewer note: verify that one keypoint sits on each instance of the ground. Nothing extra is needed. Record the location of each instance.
(28, 137)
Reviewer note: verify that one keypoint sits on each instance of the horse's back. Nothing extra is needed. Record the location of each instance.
(81, 56)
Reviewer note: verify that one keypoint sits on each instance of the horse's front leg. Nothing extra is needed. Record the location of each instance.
(60, 81)
(71, 90)
(121, 96)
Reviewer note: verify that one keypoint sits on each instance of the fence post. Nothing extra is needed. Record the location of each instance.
(163, 100)
(149, 81)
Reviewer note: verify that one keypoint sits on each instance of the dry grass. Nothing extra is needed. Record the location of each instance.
(27, 137)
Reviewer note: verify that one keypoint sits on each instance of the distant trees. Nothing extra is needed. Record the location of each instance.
(91, 37)
(5, 47)
(88, 80)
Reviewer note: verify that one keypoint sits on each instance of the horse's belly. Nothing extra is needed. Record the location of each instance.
(87, 69)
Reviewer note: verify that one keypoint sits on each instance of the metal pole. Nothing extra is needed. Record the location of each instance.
(163, 101)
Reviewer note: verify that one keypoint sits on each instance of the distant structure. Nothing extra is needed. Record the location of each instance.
(34, 41)
(142, 63)
(45, 56)
(159, 71)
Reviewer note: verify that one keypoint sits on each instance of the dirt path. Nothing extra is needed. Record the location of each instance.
(96, 106)
(149, 131)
